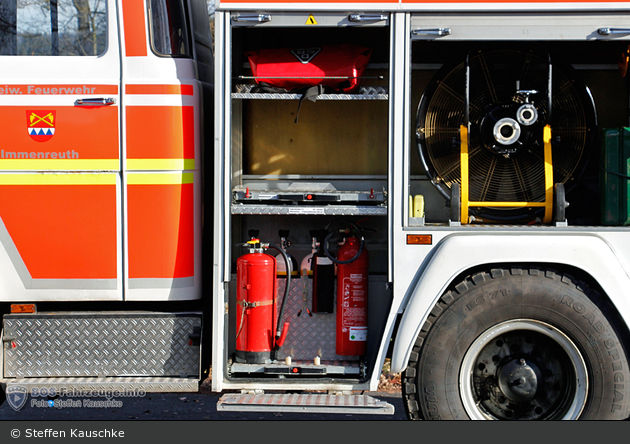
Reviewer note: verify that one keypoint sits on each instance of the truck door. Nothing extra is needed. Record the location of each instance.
(161, 145)
(60, 179)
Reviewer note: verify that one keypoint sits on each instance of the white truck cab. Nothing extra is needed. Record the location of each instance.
(102, 109)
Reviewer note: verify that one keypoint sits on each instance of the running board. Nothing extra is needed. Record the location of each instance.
(304, 403)
(125, 386)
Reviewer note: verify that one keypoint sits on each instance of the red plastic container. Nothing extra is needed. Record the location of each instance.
(337, 66)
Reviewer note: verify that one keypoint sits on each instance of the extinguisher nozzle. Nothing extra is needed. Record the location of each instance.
(281, 335)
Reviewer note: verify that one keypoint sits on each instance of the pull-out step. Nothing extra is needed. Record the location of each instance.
(304, 403)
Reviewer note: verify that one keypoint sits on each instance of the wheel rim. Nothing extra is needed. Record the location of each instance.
(523, 369)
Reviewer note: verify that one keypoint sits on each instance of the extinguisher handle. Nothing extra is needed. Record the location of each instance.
(355, 257)
(283, 335)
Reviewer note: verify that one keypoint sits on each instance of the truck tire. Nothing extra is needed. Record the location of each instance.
(520, 343)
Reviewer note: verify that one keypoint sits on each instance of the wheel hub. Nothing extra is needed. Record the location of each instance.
(518, 380)
(523, 369)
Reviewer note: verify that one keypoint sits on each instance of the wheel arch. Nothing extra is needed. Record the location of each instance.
(586, 257)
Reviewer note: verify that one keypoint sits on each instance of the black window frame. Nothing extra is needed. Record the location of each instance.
(183, 6)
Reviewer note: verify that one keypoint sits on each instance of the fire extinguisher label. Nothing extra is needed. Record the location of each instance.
(354, 299)
(358, 333)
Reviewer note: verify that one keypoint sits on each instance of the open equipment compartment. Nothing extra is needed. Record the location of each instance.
(299, 166)
(588, 96)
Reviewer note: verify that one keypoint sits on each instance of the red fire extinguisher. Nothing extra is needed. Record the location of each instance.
(352, 295)
(258, 337)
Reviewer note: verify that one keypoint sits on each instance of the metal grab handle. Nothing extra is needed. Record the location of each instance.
(95, 102)
(436, 31)
(609, 31)
(260, 18)
(367, 17)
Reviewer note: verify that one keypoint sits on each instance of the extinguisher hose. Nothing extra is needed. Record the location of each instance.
(287, 261)
(352, 259)
(243, 308)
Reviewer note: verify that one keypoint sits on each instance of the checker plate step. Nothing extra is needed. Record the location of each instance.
(304, 403)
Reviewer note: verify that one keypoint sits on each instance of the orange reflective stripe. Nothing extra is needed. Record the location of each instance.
(300, 1)
(74, 224)
(135, 28)
(462, 2)
(457, 2)
(160, 132)
(185, 90)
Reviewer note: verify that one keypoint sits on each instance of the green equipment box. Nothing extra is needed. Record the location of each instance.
(614, 180)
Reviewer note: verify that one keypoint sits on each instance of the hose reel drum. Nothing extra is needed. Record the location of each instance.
(503, 99)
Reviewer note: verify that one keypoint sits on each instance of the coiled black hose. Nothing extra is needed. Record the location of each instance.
(279, 326)
(355, 257)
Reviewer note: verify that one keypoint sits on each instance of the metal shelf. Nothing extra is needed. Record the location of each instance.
(310, 210)
(336, 368)
(363, 93)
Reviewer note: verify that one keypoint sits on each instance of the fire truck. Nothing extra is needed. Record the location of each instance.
(322, 187)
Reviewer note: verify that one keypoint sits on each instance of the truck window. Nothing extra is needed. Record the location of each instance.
(53, 27)
(169, 34)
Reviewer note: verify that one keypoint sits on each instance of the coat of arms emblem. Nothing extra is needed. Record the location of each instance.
(40, 124)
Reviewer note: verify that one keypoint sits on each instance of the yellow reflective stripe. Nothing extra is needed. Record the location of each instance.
(160, 179)
(160, 164)
(60, 164)
(58, 179)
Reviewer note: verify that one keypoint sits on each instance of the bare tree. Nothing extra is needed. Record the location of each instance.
(52, 27)
(8, 34)
(84, 30)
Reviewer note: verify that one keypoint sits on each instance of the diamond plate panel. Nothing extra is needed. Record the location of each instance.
(243, 91)
(310, 402)
(308, 336)
(69, 345)
(68, 385)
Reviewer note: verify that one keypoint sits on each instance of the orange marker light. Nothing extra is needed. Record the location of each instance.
(23, 308)
(419, 239)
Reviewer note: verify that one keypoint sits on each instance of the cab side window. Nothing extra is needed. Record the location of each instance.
(53, 27)
(168, 27)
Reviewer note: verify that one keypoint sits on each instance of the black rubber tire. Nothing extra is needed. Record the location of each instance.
(431, 383)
